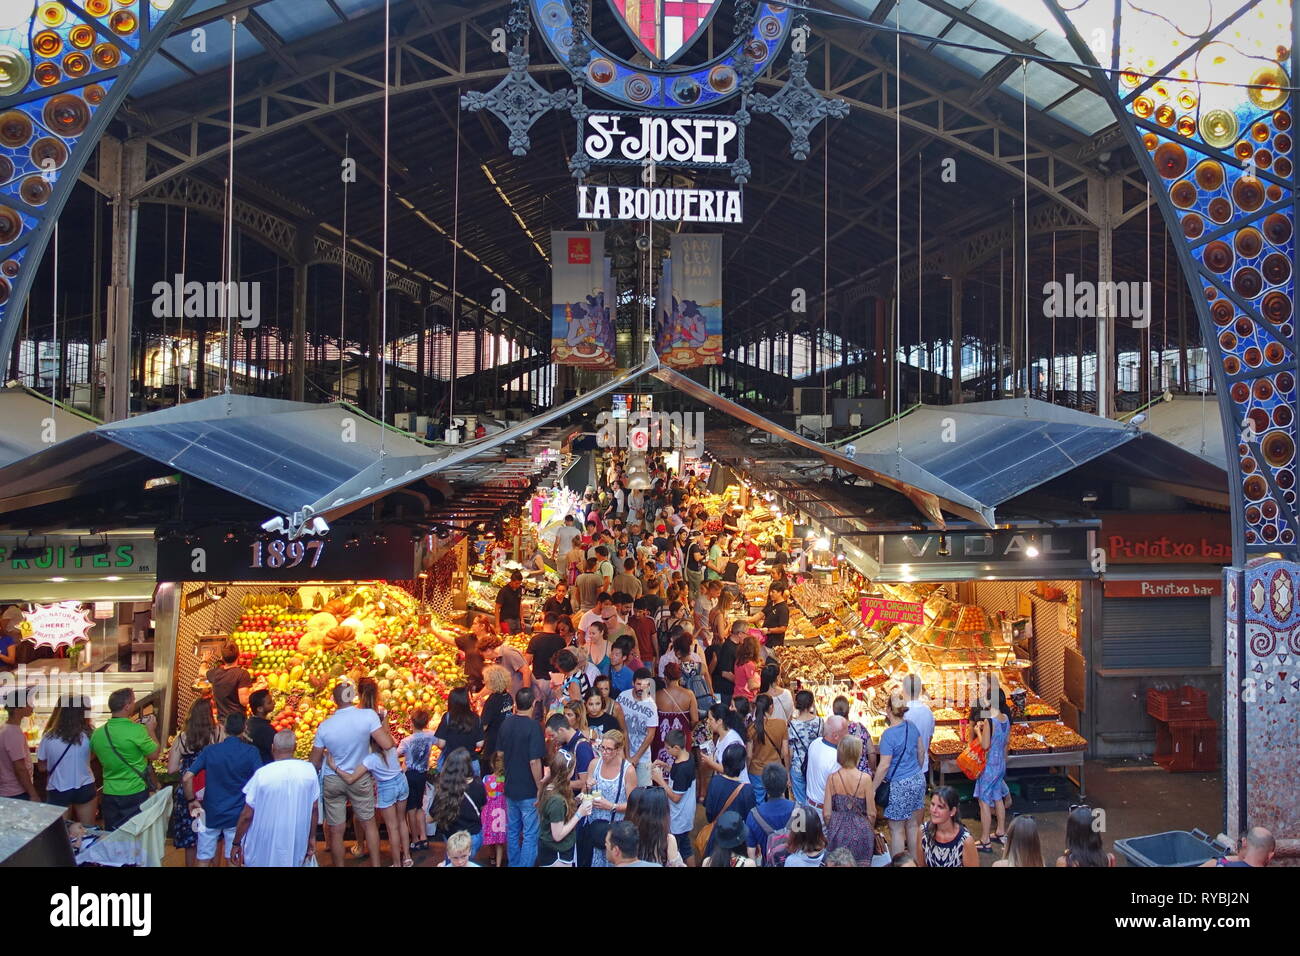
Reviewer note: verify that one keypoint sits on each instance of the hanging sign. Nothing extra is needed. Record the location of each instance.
(369, 553)
(634, 139)
(660, 204)
(59, 625)
(689, 314)
(582, 329)
(886, 611)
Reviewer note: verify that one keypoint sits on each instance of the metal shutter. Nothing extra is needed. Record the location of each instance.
(1169, 632)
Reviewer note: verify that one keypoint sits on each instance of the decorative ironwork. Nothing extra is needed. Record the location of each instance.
(798, 105)
(518, 101)
(65, 68)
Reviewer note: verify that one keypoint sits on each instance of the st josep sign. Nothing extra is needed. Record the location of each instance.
(658, 91)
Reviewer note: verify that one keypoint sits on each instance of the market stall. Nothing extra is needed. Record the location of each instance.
(303, 617)
(84, 609)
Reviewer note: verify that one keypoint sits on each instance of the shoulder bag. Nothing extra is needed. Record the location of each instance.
(594, 830)
(882, 790)
(150, 782)
(701, 841)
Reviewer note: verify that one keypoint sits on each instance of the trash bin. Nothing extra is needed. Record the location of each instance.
(1171, 848)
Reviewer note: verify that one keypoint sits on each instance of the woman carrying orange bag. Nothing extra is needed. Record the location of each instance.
(990, 730)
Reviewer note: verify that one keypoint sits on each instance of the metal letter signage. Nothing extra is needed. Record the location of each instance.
(653, 131)
(635, 139)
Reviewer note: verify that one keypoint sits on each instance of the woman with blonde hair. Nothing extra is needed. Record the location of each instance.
(720, 616)
(851, 805)
(497, 705)
(1023, 848)
(611, 782)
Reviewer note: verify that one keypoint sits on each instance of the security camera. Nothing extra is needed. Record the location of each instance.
(318, 526)
(643, 243)
(273, 525)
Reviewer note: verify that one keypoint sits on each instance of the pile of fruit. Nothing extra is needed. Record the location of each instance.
(373, 630)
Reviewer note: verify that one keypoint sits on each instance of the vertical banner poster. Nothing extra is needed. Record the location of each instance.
(664, 309)
(691, 322)
(582, 327)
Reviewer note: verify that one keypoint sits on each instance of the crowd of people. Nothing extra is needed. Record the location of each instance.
(646, 723)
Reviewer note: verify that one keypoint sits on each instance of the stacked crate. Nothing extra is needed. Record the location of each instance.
(1187, 740)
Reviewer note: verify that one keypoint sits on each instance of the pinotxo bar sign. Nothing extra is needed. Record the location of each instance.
(343, 555)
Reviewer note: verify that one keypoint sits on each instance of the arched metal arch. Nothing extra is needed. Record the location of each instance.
(1252, 347)
(56, 108)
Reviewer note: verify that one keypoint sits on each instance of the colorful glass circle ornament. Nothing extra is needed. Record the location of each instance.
(660, 86)
(15, 70)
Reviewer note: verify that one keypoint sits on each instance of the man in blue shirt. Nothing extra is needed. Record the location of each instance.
(229, 765)
(579, 749)
(621, 665)
(772, 814)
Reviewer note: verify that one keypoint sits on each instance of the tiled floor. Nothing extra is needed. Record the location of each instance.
(1138, 799)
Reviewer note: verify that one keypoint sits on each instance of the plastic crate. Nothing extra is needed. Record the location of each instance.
(1183, 703)
(1184, 746)
(1171, 848)
(1048, 792)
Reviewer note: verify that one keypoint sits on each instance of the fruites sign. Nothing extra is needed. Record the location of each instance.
(125, 555)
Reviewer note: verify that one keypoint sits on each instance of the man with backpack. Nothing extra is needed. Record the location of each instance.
(768, 823)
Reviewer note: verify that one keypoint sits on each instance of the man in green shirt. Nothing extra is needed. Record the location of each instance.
(124, 749)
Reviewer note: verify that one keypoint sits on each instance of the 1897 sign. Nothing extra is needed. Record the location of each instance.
(369, 552)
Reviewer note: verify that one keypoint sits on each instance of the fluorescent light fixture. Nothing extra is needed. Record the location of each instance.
(90, 550)
(113, 577)
(58, 580)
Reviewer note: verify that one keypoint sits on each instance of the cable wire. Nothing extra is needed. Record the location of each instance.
(228, 223)
(343, 274)
(383, 271)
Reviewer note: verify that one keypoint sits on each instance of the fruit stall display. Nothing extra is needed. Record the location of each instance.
(374, 630)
